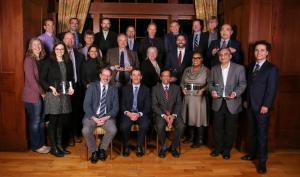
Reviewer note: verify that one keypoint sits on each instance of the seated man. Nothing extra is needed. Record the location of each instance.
(136, 105)
(101, 106)
(166, 105)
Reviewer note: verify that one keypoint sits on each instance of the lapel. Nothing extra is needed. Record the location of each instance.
(230, 72)
(261, 70)
(219, 74)
(98, 93)
(130, 58)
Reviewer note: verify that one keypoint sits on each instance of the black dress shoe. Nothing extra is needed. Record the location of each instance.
(174, 152)
(139, 151)
(247, 157)
(162, 153)
(63, 150)
(261, 168)
(214, 153)
(56, 152)
(126, 152)
(102, 154)
(94, 158)
(226, 156)
(187, 140)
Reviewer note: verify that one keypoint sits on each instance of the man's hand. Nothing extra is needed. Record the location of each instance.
(231, 96)
(214, 94)
(232, 50)
(184, 91)
(214, 51)
(264, 110)
(128, 69)
(173, 79)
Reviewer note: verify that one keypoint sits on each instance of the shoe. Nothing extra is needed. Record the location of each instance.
(102, 154)
(214, 153)
(248, 157)
(139, 151)
(57, 153)
(94, 157)
(226, 156)
(42, 150)
(63, 150)
(126, 151)
(162, 153)
(174, 152)
(77, 139)
(190, 136)
(198, 139)
(261, 168)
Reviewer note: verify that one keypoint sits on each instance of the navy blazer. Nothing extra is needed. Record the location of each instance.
(92, 100)
(143, 99)
(262, 88)
(236, 57)
(173, 65)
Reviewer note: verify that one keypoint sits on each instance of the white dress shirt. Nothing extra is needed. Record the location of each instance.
(225, 75)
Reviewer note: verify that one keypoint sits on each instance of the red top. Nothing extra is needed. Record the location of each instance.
(32, 89)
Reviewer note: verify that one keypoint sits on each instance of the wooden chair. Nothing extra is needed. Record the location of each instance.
(167, 130)
(99, 131)
(135, 128)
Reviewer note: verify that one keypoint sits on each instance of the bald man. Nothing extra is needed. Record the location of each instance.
(225, 42)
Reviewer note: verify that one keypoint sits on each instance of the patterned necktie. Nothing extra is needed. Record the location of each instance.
(256, 69)
(103, 102)
(179, 57)
(166, 93)
(223, 44)
(135, 94)
(196, 42)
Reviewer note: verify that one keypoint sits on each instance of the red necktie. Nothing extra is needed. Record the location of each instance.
(166, 93)
(179, 57)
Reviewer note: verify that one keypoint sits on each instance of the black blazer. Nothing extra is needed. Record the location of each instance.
(50, 73)
(90, 71)
(262, 89)
(170, 42)
(202, 47)
(105, 44)
(156, 42)
(143, 99)
(236, 57)
(173, 65)
(150, 77)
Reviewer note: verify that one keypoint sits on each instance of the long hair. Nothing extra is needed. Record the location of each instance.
(65, 58)
(29, 52)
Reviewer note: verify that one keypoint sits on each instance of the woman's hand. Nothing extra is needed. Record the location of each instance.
(54, 92)
(70, 91)
(184, 91)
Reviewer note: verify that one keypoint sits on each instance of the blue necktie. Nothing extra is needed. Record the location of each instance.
(135, 94)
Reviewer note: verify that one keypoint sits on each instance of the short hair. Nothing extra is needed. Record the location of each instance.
(265, 43)
(69, 33)
(135, 69)
(29, 52)
(88, 32)
(175, 21)
(105, 18)
(73, 18)
(152, 48)
(180, 34)
(197, 52)
(165, 70)
(226, 48)
(152, 23)
(105, 68)
(199, 20)
(120, 35)
(130, 26)
(212, 18)
(46, 20)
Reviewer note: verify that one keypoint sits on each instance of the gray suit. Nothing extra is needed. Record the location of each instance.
(113, 58)
(90, 106)
(173, 106)
(226, 110)
(236, 82)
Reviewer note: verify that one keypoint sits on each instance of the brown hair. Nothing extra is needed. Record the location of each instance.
(29, 52)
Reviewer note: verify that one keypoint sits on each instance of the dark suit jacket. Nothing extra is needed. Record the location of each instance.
(79, 59)
(262, 88)
(136, 46)
(143, 99)
(160, 106)
(150, 77)
(173, 65)
(236, 82)
(112, 59)
(236, 57)
(202, 47)
(108, 43)
(170, 42)
(61, 36)
(92, 100)
(158, 43)
(50, 73)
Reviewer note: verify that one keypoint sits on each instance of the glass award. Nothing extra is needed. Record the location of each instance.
(219, 90)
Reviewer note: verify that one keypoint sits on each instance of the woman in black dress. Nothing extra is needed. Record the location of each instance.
(56, 79)
(90, 68)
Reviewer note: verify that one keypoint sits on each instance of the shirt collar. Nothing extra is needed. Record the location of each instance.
(49, 34)
(102, 85)
(226, 67)
(261, 62)
(133, 85)
(168, 85)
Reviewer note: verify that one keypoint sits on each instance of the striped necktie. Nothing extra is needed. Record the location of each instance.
(196, 42)
(103, 102)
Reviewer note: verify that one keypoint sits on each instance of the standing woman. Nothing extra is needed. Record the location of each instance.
(32, 96)
(90, 67)
(194, 84)
(56, 74)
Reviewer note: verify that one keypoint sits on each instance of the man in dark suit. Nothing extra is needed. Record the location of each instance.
(178, 59)
(226, 83)
(166, 106)
(101, 106)
(152, 41)
(133, 44)
(170, 38)
(212, 29)
(121, 61)
(73, 28)
(225, 42)
(105, 39)
(261, 92)
(198, 40)
(135, 109)
(75, 122)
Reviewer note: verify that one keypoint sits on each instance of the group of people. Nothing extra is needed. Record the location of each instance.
(114, 81)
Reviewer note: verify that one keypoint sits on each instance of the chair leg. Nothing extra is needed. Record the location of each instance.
(111, 148)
